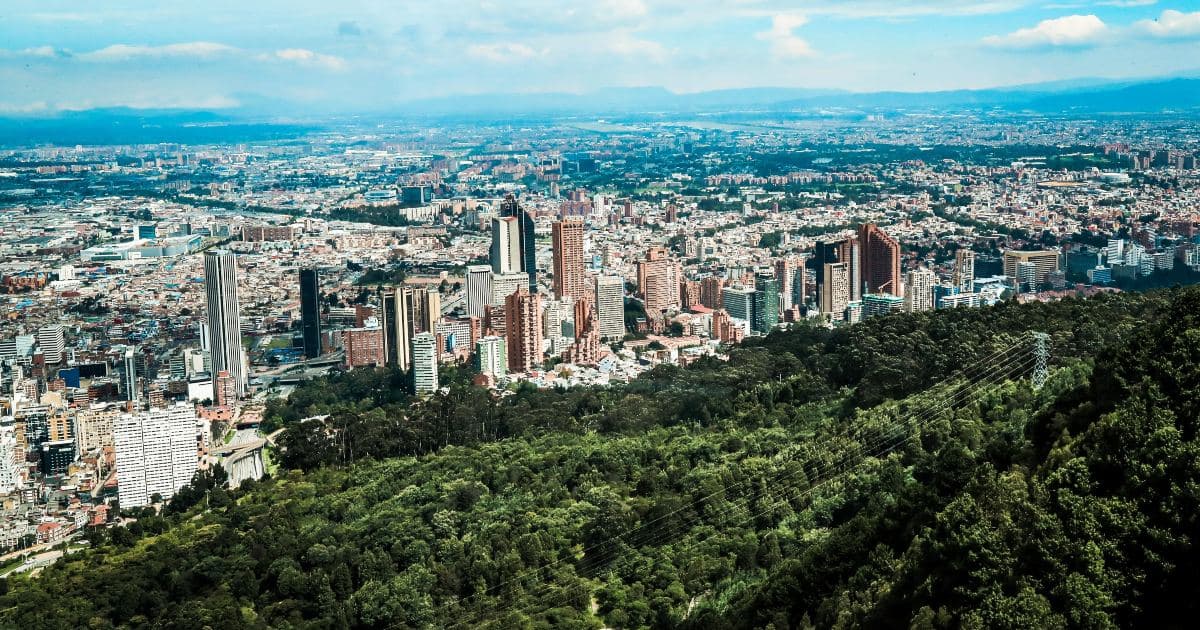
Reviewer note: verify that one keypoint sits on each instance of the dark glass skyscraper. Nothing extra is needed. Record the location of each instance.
(510, 208)
(310, 312)
(766, 303)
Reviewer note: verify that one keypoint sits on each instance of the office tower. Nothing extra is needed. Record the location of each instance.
(225, 336)
(610, 306)
(407, 311)
(129, 374)
(365, 347)
(1045, 262)
(310, 312)
(479, 289)
(1027, 275)
(94, 427)
(918, 290)
(567, 242)
(658, 282)
(964, 270)
(710, 291)
(766, 303)
(523, 330)
(785, 274)
(491, 356)
(739, 302)
(880, 260)
(505, 285)
(156, 453)
(425, 363)
(56, 457)
(506, 246)
(586, 348)
(850, 253)
(52, 342)
(836, 290)
(527, 245)
(11, 459)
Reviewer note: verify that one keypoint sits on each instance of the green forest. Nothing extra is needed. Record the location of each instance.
(899, 473)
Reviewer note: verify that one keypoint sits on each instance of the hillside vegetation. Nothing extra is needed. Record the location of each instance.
(898, 473)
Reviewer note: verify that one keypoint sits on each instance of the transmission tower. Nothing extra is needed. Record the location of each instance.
(1041, 355)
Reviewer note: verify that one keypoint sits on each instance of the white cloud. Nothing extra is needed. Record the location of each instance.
(125, 52)
(1070, 31)
(1171, 24)
(784, 42)
(307, 57)
(1126, 3)
(624, 44)
(623, 9)
(501, 52)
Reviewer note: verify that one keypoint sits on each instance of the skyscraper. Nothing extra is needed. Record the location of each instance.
(310, 312)
(964, 270)
(526, 240)
(506, 246)
(918, 290)
(766, 303)
(156, 453)
(567, 241)
(129, 374)
(658, 281)
(523, 324)
(479, 289)
(407, 311)
(425, 363)
(880, 260)
(610, 306)
(225, 335)
(835, 291)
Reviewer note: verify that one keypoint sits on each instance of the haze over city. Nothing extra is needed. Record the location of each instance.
(367, 56)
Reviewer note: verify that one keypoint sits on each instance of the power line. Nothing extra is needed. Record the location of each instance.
(985, 372)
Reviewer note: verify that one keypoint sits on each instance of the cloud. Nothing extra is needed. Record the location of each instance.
(306, 57)
(622, 9)
(784, 42)
(501, 52)
(1126, 3)
(126, 52)
(349, 28)
(1074, 31)
(1171, 24)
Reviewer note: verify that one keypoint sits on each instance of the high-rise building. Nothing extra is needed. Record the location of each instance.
(1044, 262)
(52, 342)
(506, 245)
(365, 347)
(129, 373)
(407, 311)
(766, 303)
(526, 239)
(479, 289)
(658, 282)
(739, 302)
(836, 291)
(523, 324)
(310, 312)
(785, 274)
(425, 363)
(879, 304)
(491, 356)
(880, 260)
(918, 290)
(225, 390)
(567, 241)
(710, 291)
(225, 335)
(964, 270)
(156, 453)
(586, 348)
(610, 306)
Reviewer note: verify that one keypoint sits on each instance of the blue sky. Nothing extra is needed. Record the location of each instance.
(360, 54)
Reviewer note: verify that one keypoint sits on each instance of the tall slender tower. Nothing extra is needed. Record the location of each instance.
(506, 246)
(569, 278)
(310, 312)
(964, 270)
(880, 262)
(610, 306)
(526, 243)
(523, 323)
(220, 286)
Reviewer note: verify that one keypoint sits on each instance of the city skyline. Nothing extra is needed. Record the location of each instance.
(372, 56)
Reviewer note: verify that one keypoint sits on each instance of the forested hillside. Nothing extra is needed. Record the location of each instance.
(898, 473)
